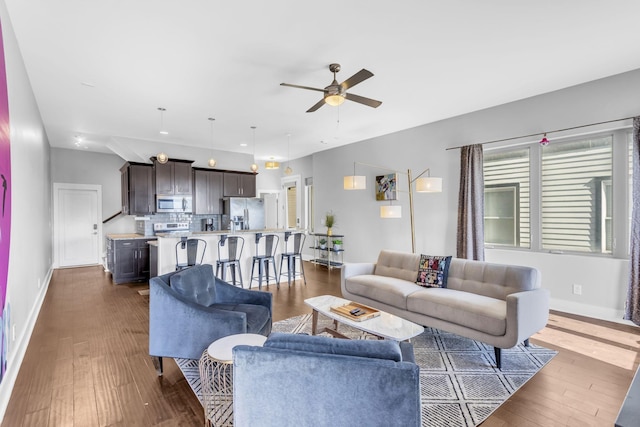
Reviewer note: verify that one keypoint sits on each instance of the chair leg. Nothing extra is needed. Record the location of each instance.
(157, 363)
(498, 353)
(304, 278)
(237, 263)
(253, 266)
(526, 342)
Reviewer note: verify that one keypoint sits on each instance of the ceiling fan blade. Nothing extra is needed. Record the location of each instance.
(362, 100)
(302, 87)
(316, 106)
(358, 77)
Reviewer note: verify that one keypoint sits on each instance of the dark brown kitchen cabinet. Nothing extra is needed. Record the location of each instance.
(237, 184)
(137, 189)
(173, 178)
(128, 260)
(207, 189)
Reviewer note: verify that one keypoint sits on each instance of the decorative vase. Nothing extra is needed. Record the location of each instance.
(329, 231)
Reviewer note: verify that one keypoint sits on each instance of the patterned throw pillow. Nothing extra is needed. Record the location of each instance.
(433, 271)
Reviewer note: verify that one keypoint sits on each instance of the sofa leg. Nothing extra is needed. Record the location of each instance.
(526, 342)
(157, 363)
(498, 353)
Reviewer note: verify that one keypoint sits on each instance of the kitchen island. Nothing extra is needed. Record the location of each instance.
(166, 248)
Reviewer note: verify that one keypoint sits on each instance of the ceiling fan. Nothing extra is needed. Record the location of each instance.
(336, 93)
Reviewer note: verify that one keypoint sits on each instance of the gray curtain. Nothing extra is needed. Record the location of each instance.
(470, 241)
(632, 306)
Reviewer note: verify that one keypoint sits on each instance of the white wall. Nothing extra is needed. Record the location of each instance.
(30, 253)
(603, 279)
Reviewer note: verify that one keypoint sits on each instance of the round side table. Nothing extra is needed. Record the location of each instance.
(216, 377)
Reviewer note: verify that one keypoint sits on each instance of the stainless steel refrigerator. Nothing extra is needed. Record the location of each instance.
(243, 213)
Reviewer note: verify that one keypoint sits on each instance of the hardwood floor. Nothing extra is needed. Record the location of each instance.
(87, 363)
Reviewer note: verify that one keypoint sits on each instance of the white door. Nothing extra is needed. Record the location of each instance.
(77, 224)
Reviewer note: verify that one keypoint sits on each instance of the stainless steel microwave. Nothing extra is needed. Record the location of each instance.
(170, 203)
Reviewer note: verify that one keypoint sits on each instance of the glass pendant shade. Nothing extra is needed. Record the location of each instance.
(355, 182)
(212, 162)
(391, 211)
(162, 158)
(429, 185)
(254, 167)
(288, 170)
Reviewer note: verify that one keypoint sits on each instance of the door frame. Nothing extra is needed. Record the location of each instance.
(57, 186)
(293, 181)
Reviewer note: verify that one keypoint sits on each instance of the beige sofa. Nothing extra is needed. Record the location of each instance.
(500, 305)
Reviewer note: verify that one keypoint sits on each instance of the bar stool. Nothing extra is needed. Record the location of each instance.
(291, 256)
(234, 246)
(189, 252)
(266, 245)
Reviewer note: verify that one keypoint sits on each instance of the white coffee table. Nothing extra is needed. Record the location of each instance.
(216, 377)
(384, 326)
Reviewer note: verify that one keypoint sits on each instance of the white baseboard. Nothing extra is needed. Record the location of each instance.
(587, 310)
(17, 356)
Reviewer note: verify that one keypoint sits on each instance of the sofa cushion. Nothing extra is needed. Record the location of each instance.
(389, 290)
(470, 310)
(383, 349)
(257, 315)
(396, 264)
(433, 271)
(196, 284)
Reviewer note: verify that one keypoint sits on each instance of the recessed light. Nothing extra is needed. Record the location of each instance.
(164, 132)
(87, 84)
(243, 145)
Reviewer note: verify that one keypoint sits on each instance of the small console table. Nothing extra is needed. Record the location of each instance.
(216, 377)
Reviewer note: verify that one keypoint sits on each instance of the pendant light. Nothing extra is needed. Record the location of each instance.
(254, 166)
(288, 170)
(212, 161)
(162, 157)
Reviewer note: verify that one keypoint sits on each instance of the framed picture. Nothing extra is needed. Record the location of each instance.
(386, 187)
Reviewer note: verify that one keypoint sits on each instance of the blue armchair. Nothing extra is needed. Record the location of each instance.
(302, 380)
(191, 308)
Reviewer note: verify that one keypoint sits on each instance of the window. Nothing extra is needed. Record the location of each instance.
(506, 199)
(576, 191)
(560, 197)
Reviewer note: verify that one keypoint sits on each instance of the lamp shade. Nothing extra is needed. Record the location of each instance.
(355, 182)
(271, 165)
(429, 185)
(390, 211)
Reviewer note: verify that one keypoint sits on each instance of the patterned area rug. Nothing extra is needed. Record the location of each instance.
(459, 383)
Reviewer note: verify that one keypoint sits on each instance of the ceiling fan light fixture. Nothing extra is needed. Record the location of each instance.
(334, 100)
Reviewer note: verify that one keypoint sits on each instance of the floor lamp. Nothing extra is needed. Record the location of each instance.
(426, 184)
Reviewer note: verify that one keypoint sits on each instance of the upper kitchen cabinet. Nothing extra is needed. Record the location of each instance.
(137, 189)
(174, 177)
(207, 189)
(239, 184)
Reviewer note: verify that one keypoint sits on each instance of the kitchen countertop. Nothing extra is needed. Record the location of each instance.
(227, 232)
(128, 236)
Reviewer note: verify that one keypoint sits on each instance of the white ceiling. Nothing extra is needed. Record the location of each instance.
(100, 69)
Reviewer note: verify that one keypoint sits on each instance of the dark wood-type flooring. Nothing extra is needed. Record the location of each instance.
(87, 363)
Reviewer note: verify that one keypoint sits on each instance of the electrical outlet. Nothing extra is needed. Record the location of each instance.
(577, 289)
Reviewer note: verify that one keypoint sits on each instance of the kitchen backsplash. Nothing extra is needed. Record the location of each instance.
(145, 226)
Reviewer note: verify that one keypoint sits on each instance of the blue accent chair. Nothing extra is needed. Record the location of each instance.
(303, 380)
(191, 308)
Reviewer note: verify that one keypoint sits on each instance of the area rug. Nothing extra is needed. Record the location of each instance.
(459, 383)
